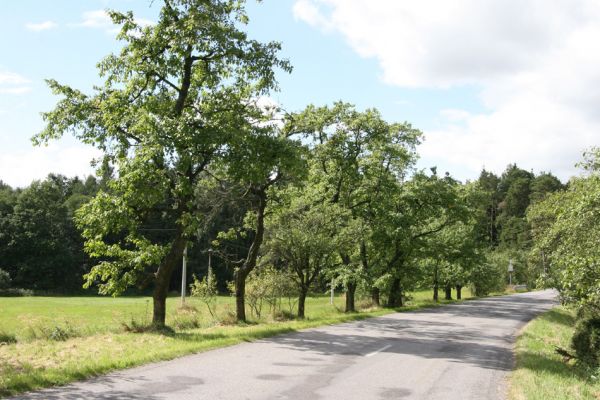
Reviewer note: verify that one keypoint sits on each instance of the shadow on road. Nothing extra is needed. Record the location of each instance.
(445, 332)
(146, 389)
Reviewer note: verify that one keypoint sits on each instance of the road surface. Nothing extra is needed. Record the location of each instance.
(461, 351)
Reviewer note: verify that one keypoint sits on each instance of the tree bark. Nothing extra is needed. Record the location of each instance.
(375, 297)
(350, 286)
(240, 294)
(301, 301)
(395, 296)
(458, 292)
(163, 279)
(436, 285)
(250, 262)
(350, 291)
(448, 289)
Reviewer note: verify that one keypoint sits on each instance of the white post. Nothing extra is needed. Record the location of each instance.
(510, 271)
(331, 295)
(209, 265)
(183, 275)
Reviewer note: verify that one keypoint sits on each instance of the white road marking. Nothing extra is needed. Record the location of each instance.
(378, 351)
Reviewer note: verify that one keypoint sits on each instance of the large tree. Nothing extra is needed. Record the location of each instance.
(306, 237)
(178, 97)
(566, 232)
(356, 156)
(406, 220)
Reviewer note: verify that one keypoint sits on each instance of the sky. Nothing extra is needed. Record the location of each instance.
(489, 82)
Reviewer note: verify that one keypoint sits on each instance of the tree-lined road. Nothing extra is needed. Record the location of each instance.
(461, 351)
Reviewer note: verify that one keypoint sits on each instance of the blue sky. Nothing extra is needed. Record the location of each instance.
(468, 103)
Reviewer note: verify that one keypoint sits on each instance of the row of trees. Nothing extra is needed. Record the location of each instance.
(565, 231)
(325, 193)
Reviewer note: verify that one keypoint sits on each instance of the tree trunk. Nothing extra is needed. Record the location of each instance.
(448, 292)
(301, 301)
(350, 297)
(250, 262)
(240, 295)
(163, 279)
(159, 311)
(436, 285)
(350, 287)
(395, 297)
(458, 292)
(375, 296)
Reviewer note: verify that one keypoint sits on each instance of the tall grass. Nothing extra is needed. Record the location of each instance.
(541, 373)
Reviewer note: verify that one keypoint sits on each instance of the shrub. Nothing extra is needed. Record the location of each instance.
(4, 279)
(15, 292)
(7, 338)
(490, 276)
(206, 291)
(272, 286)
(586, 339)
(59, 334)
(183, 322)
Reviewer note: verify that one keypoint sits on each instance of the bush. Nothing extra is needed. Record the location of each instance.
(269, 286)
(206, 290)
(16, 292)
(7, 338)
(586, 339)
(4, 279)
(60, 334)
(490, 276)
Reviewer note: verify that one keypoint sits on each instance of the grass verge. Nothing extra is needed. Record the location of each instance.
(542, 374)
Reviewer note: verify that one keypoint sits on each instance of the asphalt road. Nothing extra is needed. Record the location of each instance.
(461, 351)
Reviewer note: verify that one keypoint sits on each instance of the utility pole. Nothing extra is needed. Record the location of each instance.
(332, 293)
(209, 265)
(183, 276)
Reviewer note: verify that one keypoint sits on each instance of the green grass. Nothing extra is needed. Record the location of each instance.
(541, 373)
(62, 339)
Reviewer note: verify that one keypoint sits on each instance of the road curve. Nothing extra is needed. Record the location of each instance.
(461, 351)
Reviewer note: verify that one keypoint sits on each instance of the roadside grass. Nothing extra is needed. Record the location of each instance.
(56, 340)
(541, 373)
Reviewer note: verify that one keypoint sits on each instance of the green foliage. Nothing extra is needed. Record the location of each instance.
(306, 236)
(16, 292)
(39, 245)
(542, 373)
(357, 162)
(586, 338)
(178, 102)
(566, 229)
(7, 338)
(270, 287)
(4, 279)
(59, 333)
(206, 290)
(489, 276)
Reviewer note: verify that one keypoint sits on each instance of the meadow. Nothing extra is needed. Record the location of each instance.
(50, 341)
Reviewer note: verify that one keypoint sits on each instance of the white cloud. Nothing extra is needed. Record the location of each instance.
(21, 167)
(99, 19)
(15, 90)
(13, 83)
(42, 26)
(307, 11)
(537, 64)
